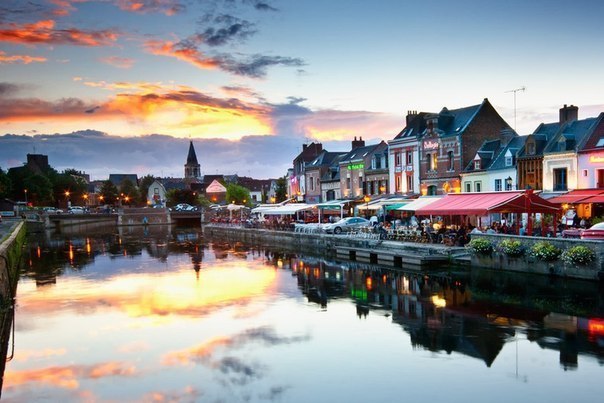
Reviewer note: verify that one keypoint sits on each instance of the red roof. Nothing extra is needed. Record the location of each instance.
(488, 202)
(577, 196)
(594, 199)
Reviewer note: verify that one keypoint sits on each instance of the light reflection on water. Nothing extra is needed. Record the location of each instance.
(165, 315)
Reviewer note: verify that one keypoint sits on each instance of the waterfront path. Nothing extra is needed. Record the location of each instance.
(6, 227)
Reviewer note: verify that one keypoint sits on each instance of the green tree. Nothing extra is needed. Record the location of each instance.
(281, 190)
(129, 192)
(143, 187)
(177, 196)
(108, 192)
(39, 189)
(66, 186)
(5, 185)
(237, 194)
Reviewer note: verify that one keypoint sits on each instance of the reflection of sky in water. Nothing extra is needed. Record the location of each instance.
(139, 329)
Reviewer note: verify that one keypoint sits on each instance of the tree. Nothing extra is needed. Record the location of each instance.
(281, 190)
(144, 184)
(177, 196)
(128, 192)
(67, 186)
(108, 192)
(237, 194)
(5, 185)
(39, 189)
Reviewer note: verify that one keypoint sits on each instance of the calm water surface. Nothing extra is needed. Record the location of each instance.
(165, 315)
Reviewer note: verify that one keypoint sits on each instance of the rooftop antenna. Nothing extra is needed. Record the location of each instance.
(523, 88)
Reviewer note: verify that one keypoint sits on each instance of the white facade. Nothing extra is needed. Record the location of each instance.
(489, 181)
(403, 166)
(560, 172)
(156, 194)
(334, 187)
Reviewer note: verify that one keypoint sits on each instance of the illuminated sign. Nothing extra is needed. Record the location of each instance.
(359, 165)
(430, 145)
(595, 326)
(595, 158)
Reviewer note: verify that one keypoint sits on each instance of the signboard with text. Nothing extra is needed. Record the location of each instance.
(430, 145)
(359, 165)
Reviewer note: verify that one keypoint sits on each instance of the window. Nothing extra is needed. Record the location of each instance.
(530, 148)
(585, 172)
(429, 161)
(318, 183)
(397, 159)
(348, 183)
(468, 187)
(312, 184)
(476, 164)
(397, 184)
(409, 158)
(155, 191)
(373, 162)
(508, 161)
(434, 162)
(409, 183)
(450, 161)
(560, 179)
(498, 185)
(477, 186)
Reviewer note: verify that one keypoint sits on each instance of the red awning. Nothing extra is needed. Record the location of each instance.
(577, 196)
(594, 199)
(488, 202)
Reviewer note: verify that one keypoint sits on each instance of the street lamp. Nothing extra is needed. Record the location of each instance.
(508, 183)
(25, 190)
(366, 199)
(67, 198)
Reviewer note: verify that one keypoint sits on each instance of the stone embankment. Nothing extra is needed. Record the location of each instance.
(359, 248)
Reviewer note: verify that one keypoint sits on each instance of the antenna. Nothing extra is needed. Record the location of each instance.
(523, 88)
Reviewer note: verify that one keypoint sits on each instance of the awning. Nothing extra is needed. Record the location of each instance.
(419, 203)
(333, 204)
(489, 202)
(577, 196)
(396, 206)
(594, 199)
(289, 209)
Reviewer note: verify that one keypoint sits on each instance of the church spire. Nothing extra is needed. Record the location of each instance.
(192, 167)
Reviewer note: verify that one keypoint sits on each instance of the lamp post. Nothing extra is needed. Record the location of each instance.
(25, 190)
(366, 199)
(67, 199)
(508, 183)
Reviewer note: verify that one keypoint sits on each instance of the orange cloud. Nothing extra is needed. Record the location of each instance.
(120, 62)
(189, 54)
(142, 108)
(44, 32)
(25, 59)
(26, 355)
(168, 7)
(67, 377)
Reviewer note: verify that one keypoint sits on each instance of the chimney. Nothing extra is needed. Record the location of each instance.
(569, 113)
(410, 116)
(358, 143)
(304, 146)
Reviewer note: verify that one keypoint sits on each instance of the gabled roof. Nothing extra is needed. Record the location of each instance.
(324, 159)
(415, 126)
(542, 136)
(360, 152)
(487, 153)
(570, 135)
(596, 139)
(333, 173)
(513, 147)
(454, 122)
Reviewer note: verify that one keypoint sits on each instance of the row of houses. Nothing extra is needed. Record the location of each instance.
(470, 149)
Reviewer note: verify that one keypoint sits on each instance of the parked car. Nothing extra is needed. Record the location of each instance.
(347, 224)
(76, 210)
(596, 232)
(52, 210)
(183, 207)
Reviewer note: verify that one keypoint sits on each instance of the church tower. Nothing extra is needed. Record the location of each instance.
(192, 167)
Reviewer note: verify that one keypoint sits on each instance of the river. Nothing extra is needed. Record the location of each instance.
(161, 314)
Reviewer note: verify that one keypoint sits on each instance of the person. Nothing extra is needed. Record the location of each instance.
(522, 231)
(582, 223)
(413, 221)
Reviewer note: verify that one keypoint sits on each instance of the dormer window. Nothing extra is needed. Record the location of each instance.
(530, 148)
(477, 164)
(509, 160)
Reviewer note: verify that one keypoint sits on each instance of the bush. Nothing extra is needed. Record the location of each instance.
(578, 255)
(481, 246)
(511, 247)
(545, 251)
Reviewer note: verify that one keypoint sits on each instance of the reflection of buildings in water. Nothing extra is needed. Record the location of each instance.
(7, 340)
(318, 279)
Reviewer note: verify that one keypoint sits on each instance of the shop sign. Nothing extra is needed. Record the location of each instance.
(596, 158)
(359, 165)
(430, 145)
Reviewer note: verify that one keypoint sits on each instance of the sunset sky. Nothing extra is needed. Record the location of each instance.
(120, 86)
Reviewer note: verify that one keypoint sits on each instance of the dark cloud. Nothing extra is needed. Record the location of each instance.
(92, 110)
(274, 393)
(256, 65)
(229, 28)
(238, 371)
(8, 89)
(260, 5)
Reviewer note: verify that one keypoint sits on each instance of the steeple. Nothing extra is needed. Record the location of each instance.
(192, 167)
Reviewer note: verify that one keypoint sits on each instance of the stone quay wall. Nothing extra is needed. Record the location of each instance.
(10, 252)
(530, 264)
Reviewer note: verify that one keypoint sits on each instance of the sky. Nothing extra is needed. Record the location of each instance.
(122, 86)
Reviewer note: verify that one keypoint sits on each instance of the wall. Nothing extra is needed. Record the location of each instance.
(528, 264)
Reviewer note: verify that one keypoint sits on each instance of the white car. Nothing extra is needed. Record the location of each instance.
(76, 210)
(347, 224)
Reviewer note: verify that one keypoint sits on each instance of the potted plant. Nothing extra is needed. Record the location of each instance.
(545, 251)
(511, 247)
(480, 246)
(578, 255)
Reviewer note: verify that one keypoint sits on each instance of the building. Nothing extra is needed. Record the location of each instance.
(156, 194)
(451, 140)
(364, 170)
(493, 169)
(330, 181)
(315, 171)
(530, 157)
(560, 156)
(117, 179)
(404, 155)
(297, 184)
(591, 158)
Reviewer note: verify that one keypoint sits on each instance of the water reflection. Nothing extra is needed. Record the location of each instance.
(159, 313)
